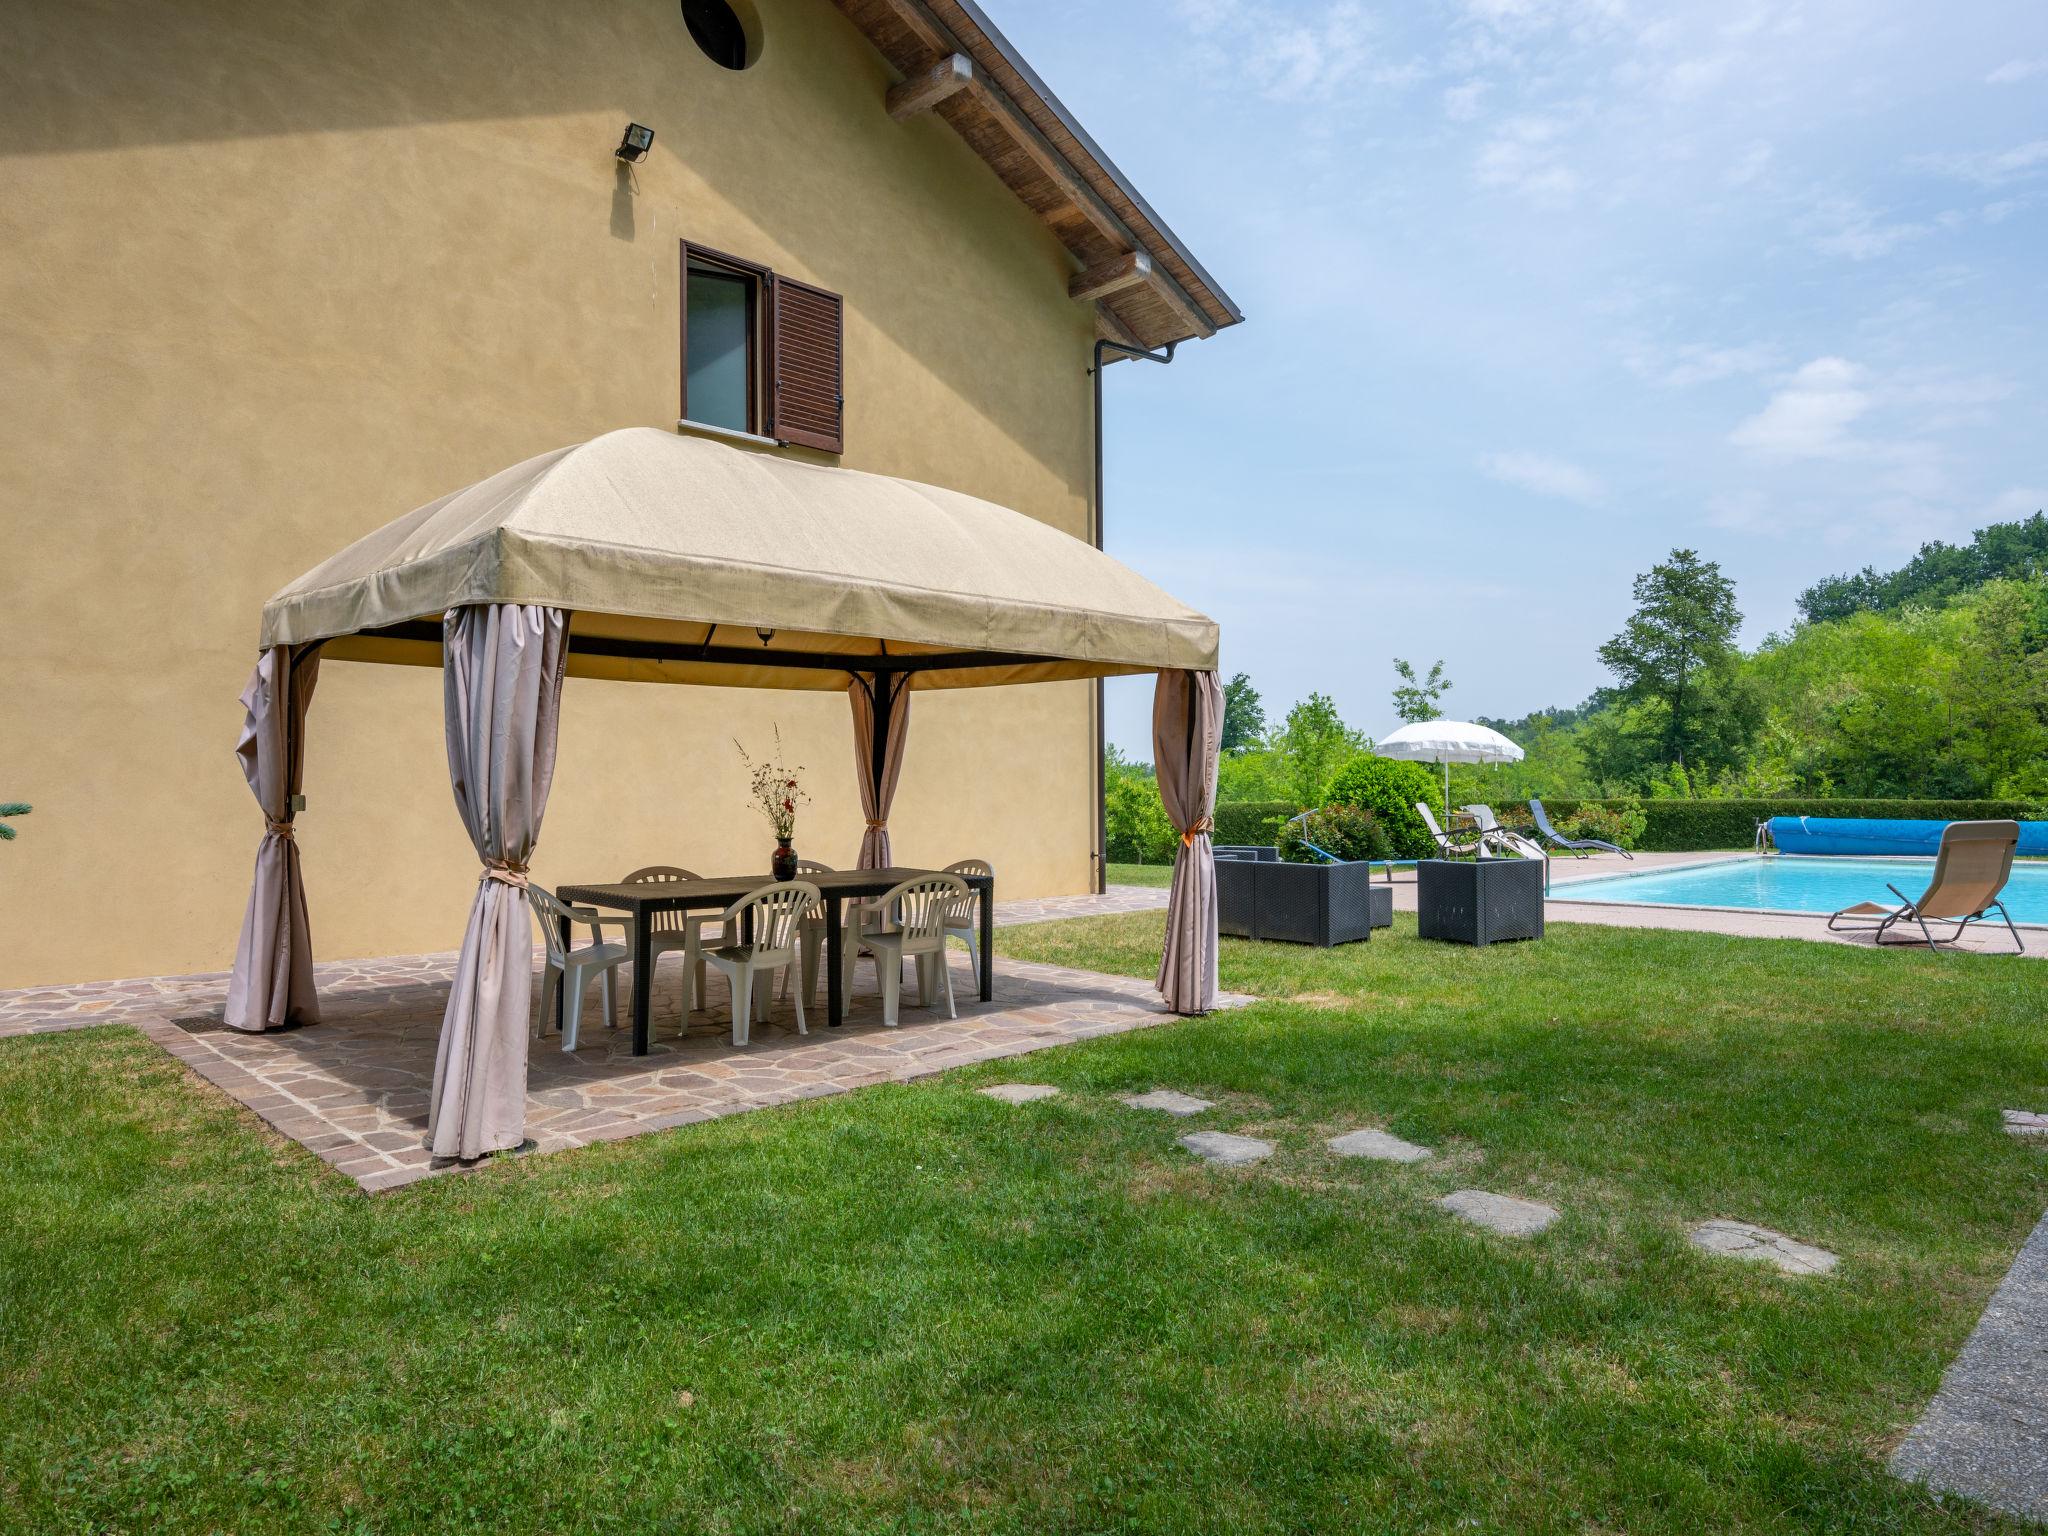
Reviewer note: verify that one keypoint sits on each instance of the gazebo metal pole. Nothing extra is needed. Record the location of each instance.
(884, 697)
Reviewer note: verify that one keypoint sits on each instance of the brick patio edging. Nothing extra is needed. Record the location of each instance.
(353, 1089)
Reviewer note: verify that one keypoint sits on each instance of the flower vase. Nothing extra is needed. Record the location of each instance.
(783, 865)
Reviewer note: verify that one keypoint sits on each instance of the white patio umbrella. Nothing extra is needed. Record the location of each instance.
(1448, 742)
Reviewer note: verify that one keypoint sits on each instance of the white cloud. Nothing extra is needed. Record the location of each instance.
(1461, 102)
(1524, 156)
(1842, 226)
(1990, 169)
(1741, 512)
(1810, 417)
(1544, 476)
(1700, 364)
(1691, 78)
(1752, 163)
(2013, 71)
(1288, 54)
(2017, 502)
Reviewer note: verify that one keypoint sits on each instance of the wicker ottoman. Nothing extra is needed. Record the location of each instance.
(1482, 901)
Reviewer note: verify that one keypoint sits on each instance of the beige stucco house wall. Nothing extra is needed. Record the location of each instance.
(274, 272)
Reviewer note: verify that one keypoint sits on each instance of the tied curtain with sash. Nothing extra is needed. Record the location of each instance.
(271, 985)
(502, 669)
(1187, 735)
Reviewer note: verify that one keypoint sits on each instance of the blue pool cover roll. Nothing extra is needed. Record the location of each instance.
(1856, 834)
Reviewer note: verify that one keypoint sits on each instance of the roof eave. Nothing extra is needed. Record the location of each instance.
(958, 67)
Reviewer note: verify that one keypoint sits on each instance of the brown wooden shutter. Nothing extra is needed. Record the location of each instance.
(806, 334)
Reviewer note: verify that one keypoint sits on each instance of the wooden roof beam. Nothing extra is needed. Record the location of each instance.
(920, 93)
(923, 25)
(1112, 276)
(1109, 326)
(917, 19)
(1077, 192)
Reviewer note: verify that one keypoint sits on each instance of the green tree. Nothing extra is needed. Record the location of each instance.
(1244, 716)
(1416, 698)
(1674, 649)
(11, 808)
(2016, 550)
(1255, 774)
(1134, 819)
(2001, 684)
(1315, 744)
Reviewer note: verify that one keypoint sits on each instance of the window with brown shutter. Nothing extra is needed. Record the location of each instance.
(806, 388)
(761, 354)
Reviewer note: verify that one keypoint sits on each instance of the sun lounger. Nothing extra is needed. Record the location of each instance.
(1578, 847)
(1494, 837)
(1970, 870)
(1450, 847)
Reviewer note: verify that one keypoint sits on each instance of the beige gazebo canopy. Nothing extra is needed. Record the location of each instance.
(644, 556)
(676, 555)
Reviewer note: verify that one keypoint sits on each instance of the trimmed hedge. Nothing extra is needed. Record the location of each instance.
(1690, 826)
(1676, 826)
(1251, 823)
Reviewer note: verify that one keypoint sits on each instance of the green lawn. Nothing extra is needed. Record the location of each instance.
(1141, 874)
(915, 1309)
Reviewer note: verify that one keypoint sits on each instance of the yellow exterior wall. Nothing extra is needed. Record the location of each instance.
(274, 272)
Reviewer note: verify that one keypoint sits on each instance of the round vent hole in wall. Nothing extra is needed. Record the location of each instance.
(727, 32)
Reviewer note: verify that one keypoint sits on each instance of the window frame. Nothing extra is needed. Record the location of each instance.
(759, 282)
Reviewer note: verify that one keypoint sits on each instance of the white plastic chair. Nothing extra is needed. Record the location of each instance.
(966, 921)
(776, 911)
(676, 931)
(812, 930)
(573, 967)
(914, 921)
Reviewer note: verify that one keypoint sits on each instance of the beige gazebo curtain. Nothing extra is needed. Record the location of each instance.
(888, 693)
(272, 982)
(502, 690)
(1187, 730)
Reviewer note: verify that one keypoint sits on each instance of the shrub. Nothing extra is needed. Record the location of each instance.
(1251, 823)
(1620, 821)
(1348, 831)
(1389, 789)
(1135, 823)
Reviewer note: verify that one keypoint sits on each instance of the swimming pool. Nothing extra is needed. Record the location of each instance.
(1787, 884)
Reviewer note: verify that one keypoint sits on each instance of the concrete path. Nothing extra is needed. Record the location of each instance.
(1985, 1434)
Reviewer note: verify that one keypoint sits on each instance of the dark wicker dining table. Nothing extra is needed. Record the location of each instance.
(642, 902)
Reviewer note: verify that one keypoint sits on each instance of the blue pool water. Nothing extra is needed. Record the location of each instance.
(1787, 884)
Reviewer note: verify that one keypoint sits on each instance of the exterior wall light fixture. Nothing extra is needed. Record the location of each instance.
(634, 146)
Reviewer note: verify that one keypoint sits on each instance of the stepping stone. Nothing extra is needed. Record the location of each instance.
(1740, 1240)
(1500, 1213)
(2024, 1122)
(1378, 1144)
(1021, 1093)
(1166, 1099)
(1228, 1150)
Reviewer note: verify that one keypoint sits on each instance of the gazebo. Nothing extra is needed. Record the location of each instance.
(646, 556)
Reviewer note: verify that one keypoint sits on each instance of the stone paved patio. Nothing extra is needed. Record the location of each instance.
(354, 1088)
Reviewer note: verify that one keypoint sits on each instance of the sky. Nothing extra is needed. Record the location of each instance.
(1539, 290)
